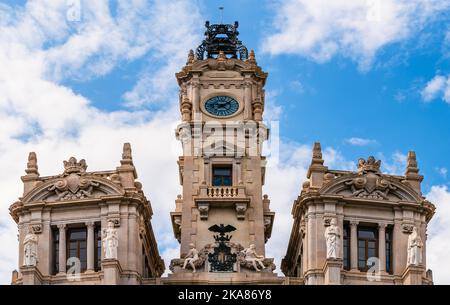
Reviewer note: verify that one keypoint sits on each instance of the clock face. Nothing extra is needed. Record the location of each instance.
(221, 105)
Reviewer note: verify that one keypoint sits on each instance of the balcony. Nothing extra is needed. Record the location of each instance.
(222, 192)
(222, 196)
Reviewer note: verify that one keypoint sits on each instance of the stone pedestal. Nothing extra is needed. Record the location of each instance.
(31, 275)
(413, 275)
(111, 272)
(332, 271)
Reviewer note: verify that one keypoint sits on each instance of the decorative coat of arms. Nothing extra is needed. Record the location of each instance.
(222, 259)
(369, 183)
(72, 184)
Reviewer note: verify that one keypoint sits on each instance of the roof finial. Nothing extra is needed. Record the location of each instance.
(221, 14)
(191, 58)
(32, 167)
(411, 164)
(412, 172)
(317, 154)
(316, 170)
(126, 154)
(251, 58)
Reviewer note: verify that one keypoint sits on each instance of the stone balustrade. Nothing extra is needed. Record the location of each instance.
(223, 191)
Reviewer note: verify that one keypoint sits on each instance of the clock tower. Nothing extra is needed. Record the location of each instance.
(222, 220)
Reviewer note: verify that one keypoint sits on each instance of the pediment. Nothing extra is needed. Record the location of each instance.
(370, 186)
(73, 187)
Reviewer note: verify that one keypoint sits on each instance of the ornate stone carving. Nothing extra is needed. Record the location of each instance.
(241, 208)
(36, 228)
(72, 166)
(115, 220)
(222, 63)
(407, 228)
(369, 183)
(115, 178)
(191, 257)
(30, 243)
(327, 221)
(73, 185)
(250, 256)
(110, 241)
(415, 245)
(269, 266)
(203, 209)
(332, 238)
(202, 257)
(222, 259)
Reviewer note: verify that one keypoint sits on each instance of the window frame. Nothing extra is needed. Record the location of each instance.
(366, 245)
(221, 166)
(83, 267)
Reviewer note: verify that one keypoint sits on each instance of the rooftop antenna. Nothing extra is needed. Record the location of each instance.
(221, 14)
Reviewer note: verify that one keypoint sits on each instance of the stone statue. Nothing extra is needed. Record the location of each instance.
(415, 245)
(191, 257)
(30, 249)
(252, 257)
(110, 241)
(333, 237)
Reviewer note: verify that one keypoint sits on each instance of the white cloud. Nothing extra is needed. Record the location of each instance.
(442, 171)
(439, 86)
(395, 164)
(438, 244)
(360, 141)
(357, 29)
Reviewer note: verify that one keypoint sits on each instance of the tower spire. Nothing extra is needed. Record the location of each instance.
(221, 14)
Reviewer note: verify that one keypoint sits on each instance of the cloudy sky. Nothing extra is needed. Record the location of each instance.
(360, 76)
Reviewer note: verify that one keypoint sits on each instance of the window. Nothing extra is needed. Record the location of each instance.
(98, 249)
(346, 247)
(367, 246)
(76, 246)
(55, 251)
(222, 175)
(389, 250)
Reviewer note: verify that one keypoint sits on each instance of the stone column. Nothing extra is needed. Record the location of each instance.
(62, 248)
(382, 246)
(90, 246)
(248, 112)
(354, 245)
(196, 100)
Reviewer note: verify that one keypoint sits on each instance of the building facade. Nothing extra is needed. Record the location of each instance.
(361, 227)
(85, 227)
(350, 227)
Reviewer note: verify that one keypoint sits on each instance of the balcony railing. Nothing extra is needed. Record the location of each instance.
(222, 192)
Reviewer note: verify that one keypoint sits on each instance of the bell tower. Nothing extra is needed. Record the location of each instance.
(222, 220)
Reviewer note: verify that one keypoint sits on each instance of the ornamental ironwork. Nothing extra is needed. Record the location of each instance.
(221, 37)
(222, 259)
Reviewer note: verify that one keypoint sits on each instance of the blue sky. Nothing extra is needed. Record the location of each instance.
(332, 101)
(363, 77)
